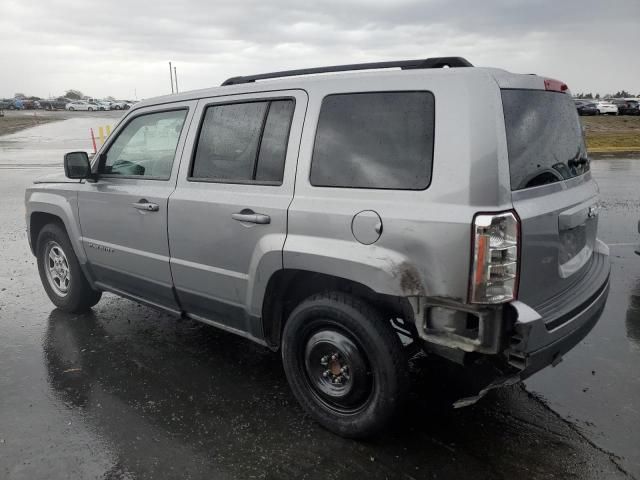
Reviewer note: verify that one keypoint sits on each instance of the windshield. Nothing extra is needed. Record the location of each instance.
(544, 137)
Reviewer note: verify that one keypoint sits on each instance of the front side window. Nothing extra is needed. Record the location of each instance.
(374, 140)
(147, 146)
(243, 142)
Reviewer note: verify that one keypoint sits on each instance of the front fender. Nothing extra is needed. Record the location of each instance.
(62, 204)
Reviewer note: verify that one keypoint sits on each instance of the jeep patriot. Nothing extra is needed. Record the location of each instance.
(345, 220)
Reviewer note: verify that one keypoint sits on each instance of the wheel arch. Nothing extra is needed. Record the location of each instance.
(37, 222)
(288, 287)
(45, 206)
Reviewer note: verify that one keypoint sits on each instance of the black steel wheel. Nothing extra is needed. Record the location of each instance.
(345, 364)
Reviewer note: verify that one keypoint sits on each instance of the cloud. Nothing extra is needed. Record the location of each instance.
(121, 47)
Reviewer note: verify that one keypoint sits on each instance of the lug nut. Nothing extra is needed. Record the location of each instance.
(326, 373)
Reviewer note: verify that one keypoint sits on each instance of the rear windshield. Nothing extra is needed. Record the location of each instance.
(544, 138)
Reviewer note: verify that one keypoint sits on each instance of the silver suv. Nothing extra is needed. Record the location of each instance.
(346, 220)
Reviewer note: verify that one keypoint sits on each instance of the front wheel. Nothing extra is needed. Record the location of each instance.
(60, 272)
(345, 364)
(71, 109)
(90, 109)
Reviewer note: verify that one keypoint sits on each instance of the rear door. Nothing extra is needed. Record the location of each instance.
(228, 215)
(552, 192)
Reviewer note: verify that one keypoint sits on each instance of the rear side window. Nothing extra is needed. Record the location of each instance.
(374, 140)
(243, 142)
(544, 138)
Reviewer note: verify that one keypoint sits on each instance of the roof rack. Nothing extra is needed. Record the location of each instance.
(435, 62)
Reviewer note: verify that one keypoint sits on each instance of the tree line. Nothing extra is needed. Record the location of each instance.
(71, 94)
(620, 94)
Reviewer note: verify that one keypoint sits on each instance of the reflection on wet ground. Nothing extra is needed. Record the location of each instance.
(633, 316)
(127, 392)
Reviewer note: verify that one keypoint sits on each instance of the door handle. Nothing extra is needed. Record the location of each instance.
(146, 206)
(249, 216)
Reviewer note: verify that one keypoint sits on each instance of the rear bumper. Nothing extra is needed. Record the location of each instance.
(540, 339)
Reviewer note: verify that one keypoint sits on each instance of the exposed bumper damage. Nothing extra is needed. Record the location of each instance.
(517, 339)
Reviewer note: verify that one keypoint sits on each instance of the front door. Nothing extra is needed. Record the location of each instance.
(228, 215)
(123, 215)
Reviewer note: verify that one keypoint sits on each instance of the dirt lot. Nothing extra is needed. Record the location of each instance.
(606, 134)
(12, 122)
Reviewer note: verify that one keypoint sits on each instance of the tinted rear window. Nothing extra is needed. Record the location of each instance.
(544, 138)
(374, 140)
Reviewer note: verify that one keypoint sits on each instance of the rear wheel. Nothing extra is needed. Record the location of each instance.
(60, 272)
(345, 364)
(90, 109)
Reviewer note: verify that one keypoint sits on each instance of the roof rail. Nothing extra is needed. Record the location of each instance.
(435, 62)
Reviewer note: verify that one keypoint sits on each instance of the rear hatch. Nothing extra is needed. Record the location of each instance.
(553, 194)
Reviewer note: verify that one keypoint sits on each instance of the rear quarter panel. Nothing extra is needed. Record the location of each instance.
(424, 248)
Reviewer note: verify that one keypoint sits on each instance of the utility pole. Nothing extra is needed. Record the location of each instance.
(175, 73)
(171, 77)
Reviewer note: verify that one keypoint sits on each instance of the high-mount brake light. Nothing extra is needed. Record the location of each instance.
(496, 253)
(555, 85)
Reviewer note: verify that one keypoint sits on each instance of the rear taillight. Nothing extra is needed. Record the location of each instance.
(496, 252)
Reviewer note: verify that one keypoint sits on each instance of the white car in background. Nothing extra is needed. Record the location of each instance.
(81, 105)
(607, 108)
(100, 104)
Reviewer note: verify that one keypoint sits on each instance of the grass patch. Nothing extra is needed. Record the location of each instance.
(605, 134)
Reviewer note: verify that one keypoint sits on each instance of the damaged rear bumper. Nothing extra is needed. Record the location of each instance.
(534, 345)
(518, 340)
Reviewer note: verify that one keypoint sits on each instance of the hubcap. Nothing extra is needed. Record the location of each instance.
(57, 269)
(337, 370)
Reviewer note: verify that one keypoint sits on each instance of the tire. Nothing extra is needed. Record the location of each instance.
(90, 109)
(597, 112)
(117, 107)
(345, 364)
(71, 109)
(70, 291)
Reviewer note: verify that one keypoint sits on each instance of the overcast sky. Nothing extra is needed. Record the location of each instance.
(121, 48)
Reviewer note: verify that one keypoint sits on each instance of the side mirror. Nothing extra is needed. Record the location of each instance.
(77, 165)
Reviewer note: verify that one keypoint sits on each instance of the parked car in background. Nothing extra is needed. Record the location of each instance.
(606, 108)
(120, 105)
(6, 103)
(80, 105)
(99, 104)
(586, 108)
(102, 105)
(30, 104)
(55, 103)
(627, 107)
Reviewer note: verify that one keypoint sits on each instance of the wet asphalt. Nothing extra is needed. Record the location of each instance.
(126, 392)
